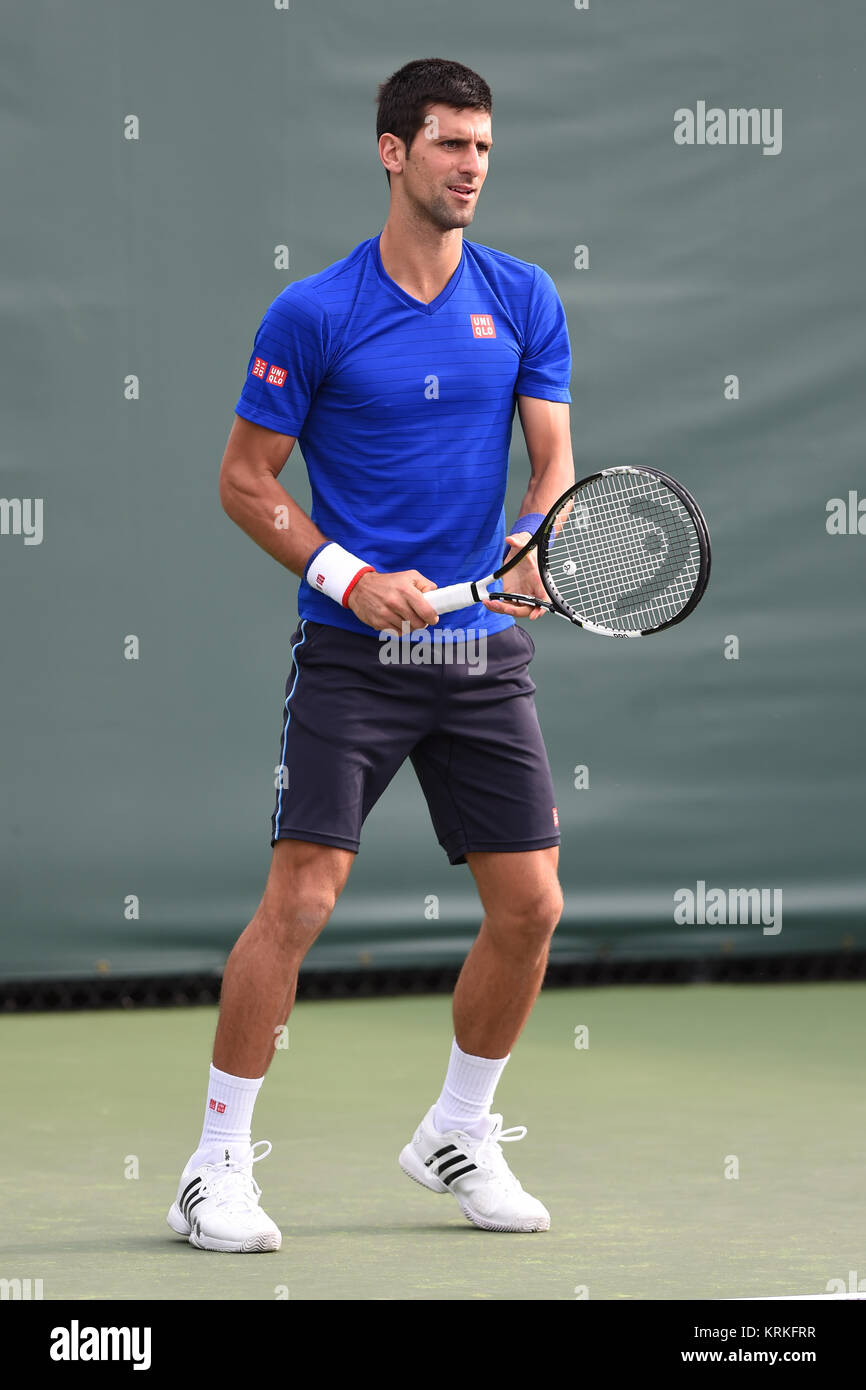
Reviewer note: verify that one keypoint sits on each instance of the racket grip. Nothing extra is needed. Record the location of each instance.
(455, 596)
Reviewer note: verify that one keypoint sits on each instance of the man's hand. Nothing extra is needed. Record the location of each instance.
(523, 579)
(386, 601)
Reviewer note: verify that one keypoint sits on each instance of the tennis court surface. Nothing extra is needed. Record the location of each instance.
(630, 1139)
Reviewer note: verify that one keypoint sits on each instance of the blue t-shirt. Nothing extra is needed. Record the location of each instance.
(403, 410)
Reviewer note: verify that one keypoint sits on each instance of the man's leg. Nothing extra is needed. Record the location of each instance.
(217, 1200)
(503, 973)
(500, 979)
(456, 1147)
(261, 975)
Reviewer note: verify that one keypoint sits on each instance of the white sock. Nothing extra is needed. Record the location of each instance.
(228, 1114)
(467, 1093)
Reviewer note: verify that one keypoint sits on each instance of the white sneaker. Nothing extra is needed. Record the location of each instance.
(217, 1204)
(476, 1173)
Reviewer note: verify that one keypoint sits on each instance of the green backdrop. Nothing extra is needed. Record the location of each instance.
(154, 257)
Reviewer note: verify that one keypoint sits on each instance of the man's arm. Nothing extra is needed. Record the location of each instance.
(250, 494)
(255, 501)
(547, 432)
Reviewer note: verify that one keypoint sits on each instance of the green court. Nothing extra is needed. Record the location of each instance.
(629, 1142)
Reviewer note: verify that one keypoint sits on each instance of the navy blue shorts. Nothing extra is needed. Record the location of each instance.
(356, 709)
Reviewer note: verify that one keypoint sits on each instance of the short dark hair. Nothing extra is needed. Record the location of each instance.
(403, 99)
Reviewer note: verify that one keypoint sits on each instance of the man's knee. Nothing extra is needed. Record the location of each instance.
(303, 887)
(542, 910)
(296, 921)
(531, 918)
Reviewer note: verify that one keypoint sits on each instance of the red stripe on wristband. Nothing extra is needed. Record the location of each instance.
(366, 569)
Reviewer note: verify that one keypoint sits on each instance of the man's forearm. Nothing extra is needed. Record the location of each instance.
(548, 442)
(270, 517)
(548, 482)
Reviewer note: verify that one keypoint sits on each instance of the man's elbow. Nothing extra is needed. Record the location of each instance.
(229, 490)
(224, 488)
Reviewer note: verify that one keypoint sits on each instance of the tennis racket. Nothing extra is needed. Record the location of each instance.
(625, 553)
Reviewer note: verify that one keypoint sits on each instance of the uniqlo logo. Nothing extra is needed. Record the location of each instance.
(260, 366)
(218, 1106)
(320, 579)
(277, 376)
(556, 817)
(482, 326)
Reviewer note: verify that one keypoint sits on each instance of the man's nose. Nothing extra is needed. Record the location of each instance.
(471, 163)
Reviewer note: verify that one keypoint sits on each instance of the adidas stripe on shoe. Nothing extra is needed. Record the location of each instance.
(475, 1172)
(217, 1204)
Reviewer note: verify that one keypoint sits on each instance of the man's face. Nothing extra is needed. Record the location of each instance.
(447, 164)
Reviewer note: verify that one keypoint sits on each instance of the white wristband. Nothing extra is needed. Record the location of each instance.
(335, 572)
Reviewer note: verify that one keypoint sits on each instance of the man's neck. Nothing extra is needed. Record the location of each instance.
(419, 258)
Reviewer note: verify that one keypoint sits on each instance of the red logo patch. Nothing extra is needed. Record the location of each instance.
(482, 326)
(277, 376)
(556, 817)
(320, 579)
(219, 1107)
(260, 366)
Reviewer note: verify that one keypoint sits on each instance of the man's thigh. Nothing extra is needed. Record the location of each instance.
(484, 769)
(349, 723)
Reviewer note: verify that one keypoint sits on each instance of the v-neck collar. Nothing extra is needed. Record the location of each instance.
(441, 298)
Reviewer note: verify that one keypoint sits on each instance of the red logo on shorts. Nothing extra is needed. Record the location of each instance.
(219, 1107)
(320, 579)
(277, 376)
(482, 326)
(556, 817)
(260, 366)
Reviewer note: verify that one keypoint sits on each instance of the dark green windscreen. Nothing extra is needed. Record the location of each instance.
(714, 294)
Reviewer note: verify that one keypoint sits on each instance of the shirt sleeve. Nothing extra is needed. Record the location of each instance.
(288, 362)
(545, 363)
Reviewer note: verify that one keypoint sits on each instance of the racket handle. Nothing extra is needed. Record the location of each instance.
(455, 596)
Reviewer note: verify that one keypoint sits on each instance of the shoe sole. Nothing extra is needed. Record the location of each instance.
(255, 1245)
(414, 1168)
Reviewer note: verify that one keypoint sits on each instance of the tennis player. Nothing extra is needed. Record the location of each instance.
(398, 370)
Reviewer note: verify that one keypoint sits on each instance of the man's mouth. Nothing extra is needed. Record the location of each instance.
(462, 190)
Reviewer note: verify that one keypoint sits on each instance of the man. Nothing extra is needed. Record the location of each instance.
(398, 369)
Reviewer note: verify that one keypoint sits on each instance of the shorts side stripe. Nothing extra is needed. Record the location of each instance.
(288, 721)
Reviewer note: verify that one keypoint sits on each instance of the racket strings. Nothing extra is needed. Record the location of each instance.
(624, 553)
